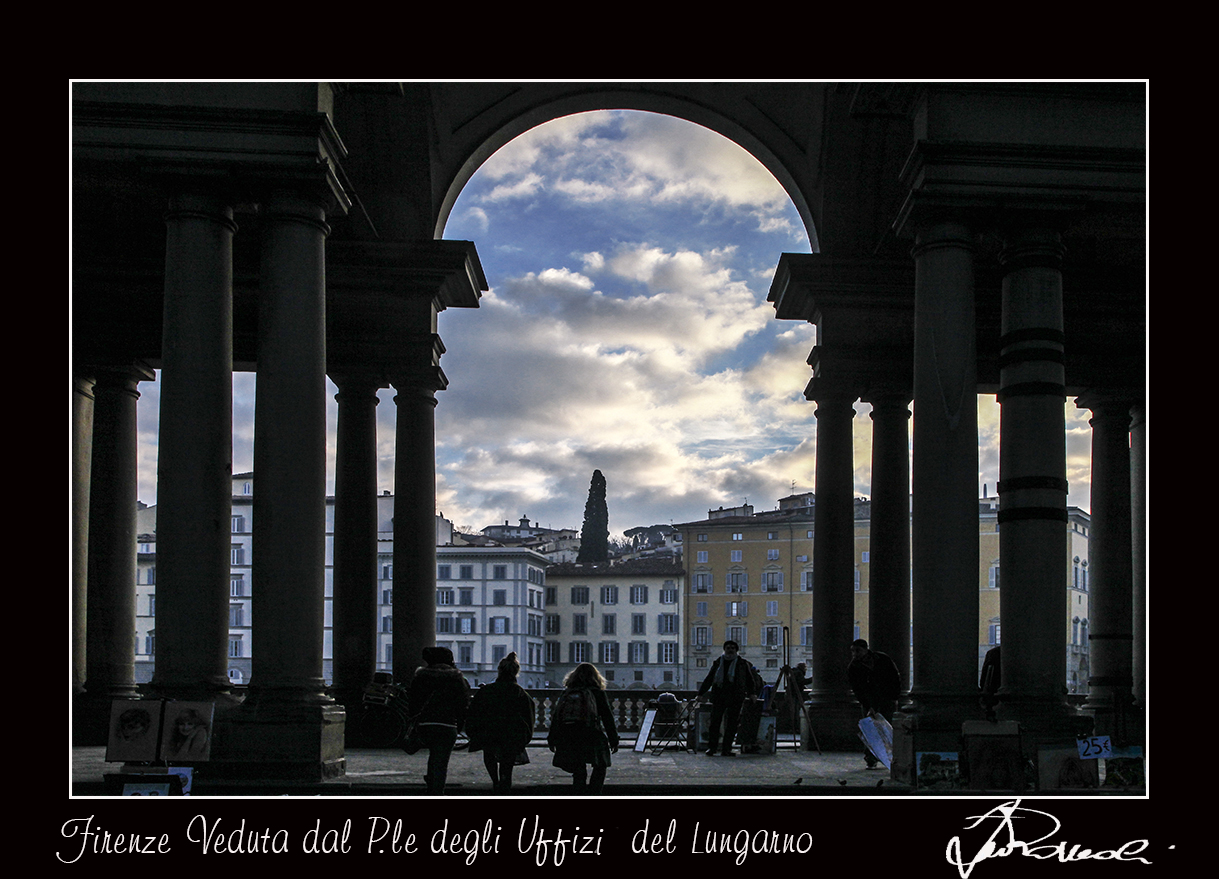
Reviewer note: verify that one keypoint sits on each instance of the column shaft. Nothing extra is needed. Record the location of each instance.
(944, 516)
(82, 453)
(414, 612)
(289, 533)
(889, 553)
(1032, 476)
(354, 633)
(110, 621)
(194, 450)
(1138, 518)
(833, 547)
(1111, 629)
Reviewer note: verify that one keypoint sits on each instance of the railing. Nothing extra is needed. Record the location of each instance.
(628, 706)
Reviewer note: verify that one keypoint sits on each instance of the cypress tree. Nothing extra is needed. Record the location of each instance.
(594, 536)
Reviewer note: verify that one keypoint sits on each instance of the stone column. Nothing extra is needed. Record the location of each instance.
(414, 611)
(889, 559)
(1032, 481)
(82, 452)
(1138, 518)
(354, 617)
(944, 515)
(195, 451)
(1110, 565)
(289, 535)
(834, 710)
(110, 622)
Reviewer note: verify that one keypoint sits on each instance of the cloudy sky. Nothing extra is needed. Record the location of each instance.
(627, 330)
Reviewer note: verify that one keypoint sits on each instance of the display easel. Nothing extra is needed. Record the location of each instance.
(797, 699)
(675, 734)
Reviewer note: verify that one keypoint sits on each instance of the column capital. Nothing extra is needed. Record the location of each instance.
(1107, 402)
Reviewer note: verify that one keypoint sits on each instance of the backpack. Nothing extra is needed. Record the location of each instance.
(577, 705)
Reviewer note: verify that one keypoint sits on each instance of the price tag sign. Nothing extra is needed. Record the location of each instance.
(1094, 747)
(147, 789)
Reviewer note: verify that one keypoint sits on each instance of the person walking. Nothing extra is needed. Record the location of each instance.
(500, 723)
(877, 685)
(730, 682)
(582, 730)
(439, 698)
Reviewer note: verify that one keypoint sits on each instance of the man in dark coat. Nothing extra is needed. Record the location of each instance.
(731, 681)
(877, 685)
(439, 699)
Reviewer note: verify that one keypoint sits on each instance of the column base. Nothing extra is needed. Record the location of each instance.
(278, 741)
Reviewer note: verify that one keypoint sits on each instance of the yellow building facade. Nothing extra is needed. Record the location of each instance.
(749, 578)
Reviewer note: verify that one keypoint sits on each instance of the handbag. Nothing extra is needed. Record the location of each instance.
(412, 742)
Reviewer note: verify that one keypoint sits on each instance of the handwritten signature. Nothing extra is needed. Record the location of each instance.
(995, 847)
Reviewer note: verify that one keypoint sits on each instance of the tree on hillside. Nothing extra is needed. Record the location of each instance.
(594, 536)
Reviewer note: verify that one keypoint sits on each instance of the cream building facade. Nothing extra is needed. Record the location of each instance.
(626, 618)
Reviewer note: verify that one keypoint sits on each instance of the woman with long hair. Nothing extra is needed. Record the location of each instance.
(582, 730)
(500, 723)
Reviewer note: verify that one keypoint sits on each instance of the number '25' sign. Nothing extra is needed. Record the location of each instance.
(1093, 747)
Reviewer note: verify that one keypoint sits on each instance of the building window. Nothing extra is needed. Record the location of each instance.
(639, 624)
(578, 651)
(235, 648)
(465, 597)
(737, 633)
(247, 488)
(579, 624)
(609, 624)
(668, 596)
(152, 605)
(579, 595)
(772, 555)
(734, 555)
(387, 623)
(553, 653)
(499, 572)
(736, 609)
(770, 636)
(465, 653)
(236, 615)
(701, 556)
(534, 624)
(806, 581)
(150, 643)
(465, 625)
(552, 624)
(552, 595)
(993, 633)
(466, 572)
(772, 581)
(738, 536)
(702, 636)
(237, 523)
(499, 625)
(387, 596)
(857, 580)
(499, 597)
(237, 586)
(609, 652)
(444, 572)
(498, 652)
(444, 596)
(639, 594)
(701, 538)
(668, 652)
(444, 625)
(609, 594)
(666, 624)
(806, 636)
(387, 568)
(772, 608)
(772, 535)
(237, 554)
(700, 608)
(737, 581)
(702, 583)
